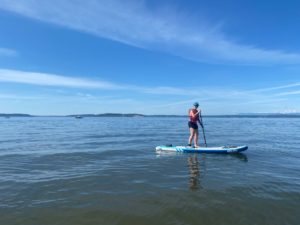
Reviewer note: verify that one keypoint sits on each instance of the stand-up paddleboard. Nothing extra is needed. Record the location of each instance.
(222, 149)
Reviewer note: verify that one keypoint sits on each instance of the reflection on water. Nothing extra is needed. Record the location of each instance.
(243, 157)
(194, 179)
(194, 170)
(197, 168)
(196, 164)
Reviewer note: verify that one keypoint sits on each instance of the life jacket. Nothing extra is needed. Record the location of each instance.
(193, 119)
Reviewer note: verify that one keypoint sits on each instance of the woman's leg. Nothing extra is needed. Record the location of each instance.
(192, 133)
(196, 138)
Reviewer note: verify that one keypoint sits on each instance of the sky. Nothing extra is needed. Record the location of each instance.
(62, 57)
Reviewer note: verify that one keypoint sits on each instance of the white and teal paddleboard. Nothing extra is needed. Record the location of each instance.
(222, 149)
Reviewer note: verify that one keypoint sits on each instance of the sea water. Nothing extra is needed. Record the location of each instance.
(62, 170)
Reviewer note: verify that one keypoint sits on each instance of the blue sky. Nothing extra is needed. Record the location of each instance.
(154, 57)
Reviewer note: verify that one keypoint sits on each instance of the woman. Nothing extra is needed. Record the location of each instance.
(194, 118)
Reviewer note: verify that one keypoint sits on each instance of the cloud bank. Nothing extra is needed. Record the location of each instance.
(48, 79)
(44, 79)
(133, 23)
(213, 99)
(205, 96)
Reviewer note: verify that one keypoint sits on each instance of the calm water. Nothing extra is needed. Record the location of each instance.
(105, 171)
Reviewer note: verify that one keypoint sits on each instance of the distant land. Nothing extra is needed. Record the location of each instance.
(108, 115)
(15, 115)
(241, 115)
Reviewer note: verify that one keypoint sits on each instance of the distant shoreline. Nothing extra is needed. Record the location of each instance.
(244, 115)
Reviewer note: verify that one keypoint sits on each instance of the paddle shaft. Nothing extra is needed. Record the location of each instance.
(201, 123)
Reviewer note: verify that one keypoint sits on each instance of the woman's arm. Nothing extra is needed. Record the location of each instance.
(194, 115)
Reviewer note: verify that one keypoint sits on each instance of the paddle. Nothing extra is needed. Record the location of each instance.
(201, 123)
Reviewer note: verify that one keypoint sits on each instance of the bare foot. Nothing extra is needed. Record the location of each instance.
(197, 146)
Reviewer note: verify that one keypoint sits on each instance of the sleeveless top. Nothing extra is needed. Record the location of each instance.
(193, 119)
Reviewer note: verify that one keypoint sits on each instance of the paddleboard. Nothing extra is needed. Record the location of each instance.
(222, 149)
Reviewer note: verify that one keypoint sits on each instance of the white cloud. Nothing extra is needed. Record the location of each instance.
(8, 52)
(215, 99)
(131, 22)
(289, 93)
(296, 84)
(16, 76)
(169, 91)
(231, 97)
(19, 97)
(287, 111)
(47, 79)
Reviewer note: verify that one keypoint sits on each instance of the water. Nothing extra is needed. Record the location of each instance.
(105, 171)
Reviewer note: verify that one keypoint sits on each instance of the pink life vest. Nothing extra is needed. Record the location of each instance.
(193, 119)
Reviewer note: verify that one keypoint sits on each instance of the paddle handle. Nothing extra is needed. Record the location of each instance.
(201, 123)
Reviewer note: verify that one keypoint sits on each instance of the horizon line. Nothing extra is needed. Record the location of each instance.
(143, 115)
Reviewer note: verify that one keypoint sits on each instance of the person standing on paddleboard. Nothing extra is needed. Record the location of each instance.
(194, 119)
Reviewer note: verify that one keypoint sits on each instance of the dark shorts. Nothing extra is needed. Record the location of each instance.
(193, 125)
